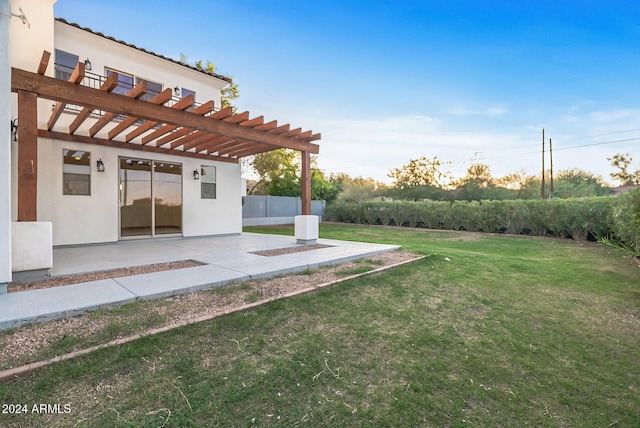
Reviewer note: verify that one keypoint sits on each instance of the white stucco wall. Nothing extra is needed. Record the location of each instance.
(79, 219)
(104, 53)
(91, 219)
(5, 147)
(222, 215)
(28, 42)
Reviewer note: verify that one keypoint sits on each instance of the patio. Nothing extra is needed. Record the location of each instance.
(228, 259)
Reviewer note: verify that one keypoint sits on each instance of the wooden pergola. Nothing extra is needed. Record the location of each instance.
(149, 126)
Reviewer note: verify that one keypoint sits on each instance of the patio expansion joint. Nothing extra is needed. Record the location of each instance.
(124, 286)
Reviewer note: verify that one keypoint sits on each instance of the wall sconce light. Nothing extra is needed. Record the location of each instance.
(196, 174)
(87, 64)
(100, 165)
(14, 129)
(176, 91)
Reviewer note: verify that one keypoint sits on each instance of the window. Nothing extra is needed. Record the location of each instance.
(187, 92)
(208, 182)
(76, 172)
(65, 63)
(125, 82)
(153, 89)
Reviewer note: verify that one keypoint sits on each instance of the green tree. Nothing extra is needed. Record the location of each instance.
(478, 184)
(623, 163)
(420, 172)
(279, 172)
(360, 189)
(229, 93)
(576, 183)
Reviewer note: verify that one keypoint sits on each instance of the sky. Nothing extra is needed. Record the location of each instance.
(389, 81)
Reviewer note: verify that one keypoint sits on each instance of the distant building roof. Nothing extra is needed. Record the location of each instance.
(73, 24)
(622, 189)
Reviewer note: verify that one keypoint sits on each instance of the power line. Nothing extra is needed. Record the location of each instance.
(573, 139)
(599, 135)
(592, 144)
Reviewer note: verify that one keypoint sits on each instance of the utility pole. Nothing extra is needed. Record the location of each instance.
(551, 166)
(542, 188)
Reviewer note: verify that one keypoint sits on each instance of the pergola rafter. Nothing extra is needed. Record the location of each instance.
(200, 132)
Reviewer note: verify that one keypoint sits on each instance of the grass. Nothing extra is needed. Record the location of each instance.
(485, 331)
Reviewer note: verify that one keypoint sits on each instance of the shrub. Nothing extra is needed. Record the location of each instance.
(581, 219)
(625, 220)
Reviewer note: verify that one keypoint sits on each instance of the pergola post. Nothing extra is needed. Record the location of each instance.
(306, 225)
(305, 181)
(27, 156)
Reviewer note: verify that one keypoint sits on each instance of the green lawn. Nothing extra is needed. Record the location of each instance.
(485, 331)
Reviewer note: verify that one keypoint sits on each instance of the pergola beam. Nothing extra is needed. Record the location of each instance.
(139, 90)
(76, 78)
(109, 85)
(183, 104)
(122, 145)
(202, 110)
(57, 90)
(162, 98)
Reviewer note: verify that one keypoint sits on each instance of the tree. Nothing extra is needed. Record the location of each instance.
(359, 189)
(576, 183)
(229, 93)
(478, 175)
(279, 172)
(623, 162)
(515, 180)
(420, 172)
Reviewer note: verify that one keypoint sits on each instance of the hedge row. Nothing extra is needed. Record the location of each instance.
(579, 219)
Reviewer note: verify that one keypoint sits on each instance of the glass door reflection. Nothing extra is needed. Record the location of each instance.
(167, 191)
(150, 198)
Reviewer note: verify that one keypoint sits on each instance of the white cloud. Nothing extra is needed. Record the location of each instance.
(497, 110)
(615, 115)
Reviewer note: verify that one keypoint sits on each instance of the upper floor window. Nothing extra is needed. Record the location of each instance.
(125, 82)
(186, 92)
(153, 88)
(65, 63)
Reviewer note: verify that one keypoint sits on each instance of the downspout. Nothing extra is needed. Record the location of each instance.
(5, 148)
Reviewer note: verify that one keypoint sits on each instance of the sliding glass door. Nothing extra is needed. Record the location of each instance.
(150, 198)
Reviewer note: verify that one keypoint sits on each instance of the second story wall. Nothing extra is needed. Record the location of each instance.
(105, 54)
(28, 41)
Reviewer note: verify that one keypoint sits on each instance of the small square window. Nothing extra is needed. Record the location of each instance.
(76, 172)
(208, 182)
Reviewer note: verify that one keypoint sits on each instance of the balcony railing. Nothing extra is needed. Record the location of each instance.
(95, 81)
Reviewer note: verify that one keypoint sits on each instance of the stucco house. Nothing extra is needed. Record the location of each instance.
(109, 141)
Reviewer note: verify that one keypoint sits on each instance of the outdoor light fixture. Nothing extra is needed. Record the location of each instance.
(87, 64)
(100, 165)
(196, 174)
(14, 129)
(176, 91)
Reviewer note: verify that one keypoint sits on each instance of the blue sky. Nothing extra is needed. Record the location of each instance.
(387, 81)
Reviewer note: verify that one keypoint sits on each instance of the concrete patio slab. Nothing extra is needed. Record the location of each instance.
(50, 303)
(227, 259)
(171, 282)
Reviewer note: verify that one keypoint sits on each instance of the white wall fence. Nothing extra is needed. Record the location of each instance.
(260, 210)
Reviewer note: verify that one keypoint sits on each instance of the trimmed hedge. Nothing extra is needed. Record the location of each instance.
(616, 218)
